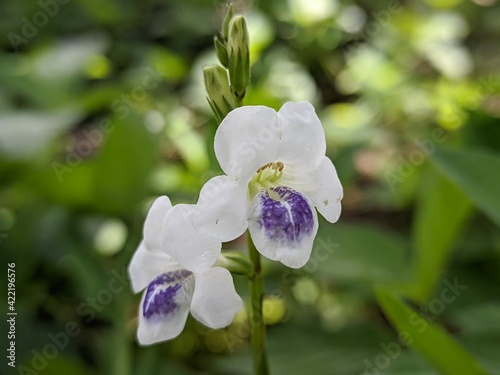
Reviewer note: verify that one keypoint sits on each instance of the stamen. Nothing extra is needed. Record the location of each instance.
(265, 177)
(264, 167)
(271, 172)
(276, 165)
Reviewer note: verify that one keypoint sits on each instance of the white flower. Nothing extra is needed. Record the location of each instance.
(172, 291)
(276, 174)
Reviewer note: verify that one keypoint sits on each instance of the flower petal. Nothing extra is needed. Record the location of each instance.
(215, 301)
(322, 186)
(147, 264)
(181, 240)
(247, 139)
(165, 306)
(221, 211)
(152, 225)
(303, 140)
(283, 224)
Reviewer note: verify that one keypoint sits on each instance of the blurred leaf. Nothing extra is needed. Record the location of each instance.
(440, 215)
(482, 131)
(484, 346)
(480, 318)
(431, 341)
(73, 189)
(150, 362)
(308, 348)
(112, 182)
(443, 4)
(57, 243)
(123, 165)
(476, 174)
(344, 163)
(359, 253)
(65, 365)
(115, 349)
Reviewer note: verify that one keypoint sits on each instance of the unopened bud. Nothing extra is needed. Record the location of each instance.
(235, 262)
(239, 55)
(221, 50)
(219, 94)
(227, 20)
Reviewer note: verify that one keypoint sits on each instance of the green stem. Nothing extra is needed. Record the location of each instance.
(256, 318)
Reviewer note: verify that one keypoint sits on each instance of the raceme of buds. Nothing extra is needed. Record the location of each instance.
(219, 94)
(239, 55)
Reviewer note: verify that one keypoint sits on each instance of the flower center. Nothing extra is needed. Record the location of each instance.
(265, 177)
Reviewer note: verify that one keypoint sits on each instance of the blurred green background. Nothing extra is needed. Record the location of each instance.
(103, 108)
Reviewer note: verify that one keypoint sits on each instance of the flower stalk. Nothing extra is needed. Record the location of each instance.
(256, 316)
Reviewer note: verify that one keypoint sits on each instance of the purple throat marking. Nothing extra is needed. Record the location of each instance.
(287, 219)
(160, 296)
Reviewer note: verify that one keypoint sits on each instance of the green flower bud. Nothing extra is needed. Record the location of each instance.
(239, 55)
(221, 50)
(235, 262)
(227, 20)
(219, 94)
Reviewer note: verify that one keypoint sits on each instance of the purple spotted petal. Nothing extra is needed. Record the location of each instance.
(288, 217)
(165, 306)
(283, 224)
(167, 293)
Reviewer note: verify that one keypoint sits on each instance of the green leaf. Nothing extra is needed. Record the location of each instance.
(476, 174)
(63, 365)
(359, 253)
(440, 215)
(113, 181)
(431, 341)
(61, 183)
(122, 167)
(308, 348)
